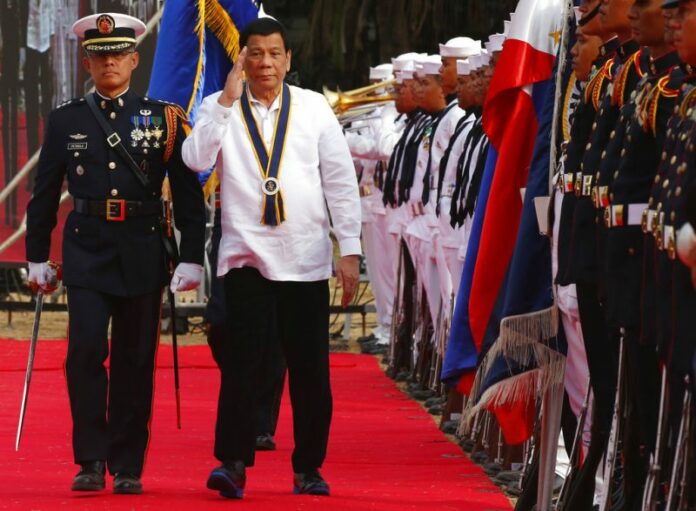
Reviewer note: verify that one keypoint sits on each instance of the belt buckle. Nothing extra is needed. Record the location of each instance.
(644, 221)
(578, 184)
(120, 214)
(586, 185)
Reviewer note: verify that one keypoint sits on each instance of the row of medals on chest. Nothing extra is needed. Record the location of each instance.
(147, 130)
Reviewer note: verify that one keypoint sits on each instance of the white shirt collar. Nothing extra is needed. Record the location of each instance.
(274, 106)
(108, 98)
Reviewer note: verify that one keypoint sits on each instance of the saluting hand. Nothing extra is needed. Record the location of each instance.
(234, 85)
(347, 277)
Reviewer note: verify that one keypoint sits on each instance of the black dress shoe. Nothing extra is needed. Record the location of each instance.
(127, 484)
(265, 442)
(310, 483)
(228, 479)
(90, 477)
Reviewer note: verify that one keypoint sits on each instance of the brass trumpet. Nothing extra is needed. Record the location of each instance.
(341, 101)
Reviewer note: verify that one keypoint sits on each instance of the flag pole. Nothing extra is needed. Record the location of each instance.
(552, 400)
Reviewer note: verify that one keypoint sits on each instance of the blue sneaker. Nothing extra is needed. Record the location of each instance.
(229, 479)
(310, 483)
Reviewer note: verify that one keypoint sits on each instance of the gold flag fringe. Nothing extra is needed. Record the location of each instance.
(218, 20)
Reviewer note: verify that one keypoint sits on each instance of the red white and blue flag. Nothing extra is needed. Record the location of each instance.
(511, 119)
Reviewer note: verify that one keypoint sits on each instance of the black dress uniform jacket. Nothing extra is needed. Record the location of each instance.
(580, 132)
(583, 264)
(647, 116)
(122, 258)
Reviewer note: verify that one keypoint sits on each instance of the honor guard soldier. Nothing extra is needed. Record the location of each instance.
(584, 53)
(666, 215)
(621, 197)
(601, 345)
(114, 148)
(570, 177)
(371, 138)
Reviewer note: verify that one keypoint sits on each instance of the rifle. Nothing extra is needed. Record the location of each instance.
(170, 246)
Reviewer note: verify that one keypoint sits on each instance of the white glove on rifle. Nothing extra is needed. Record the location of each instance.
(187, 276)
(686, 244)
(43, 276)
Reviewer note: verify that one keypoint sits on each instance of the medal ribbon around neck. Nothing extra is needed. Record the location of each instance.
(273, 210)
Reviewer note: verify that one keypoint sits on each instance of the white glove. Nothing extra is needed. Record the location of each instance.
(686, 245)
(187, 276)
(43, 276)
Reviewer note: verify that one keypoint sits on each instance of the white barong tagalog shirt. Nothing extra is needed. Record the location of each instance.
(316, 171)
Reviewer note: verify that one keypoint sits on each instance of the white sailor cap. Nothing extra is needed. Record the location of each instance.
(474, 63)
(382, 72)
(460, 47)
(405, 61)
(495, 43)
(429, 65)
(397, 76)
(506, 28)
(108, 32)
(264, 14)
(407, 74)
(463, 67)
(485, 59)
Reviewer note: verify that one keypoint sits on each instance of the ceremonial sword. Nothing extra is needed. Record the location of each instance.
(53, 281)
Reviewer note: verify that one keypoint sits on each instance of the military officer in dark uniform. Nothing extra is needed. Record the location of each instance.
(668, 213)
(621, 198)
(582, 263)
(115, 264)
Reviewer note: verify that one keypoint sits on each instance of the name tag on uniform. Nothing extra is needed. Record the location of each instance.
(72, 146)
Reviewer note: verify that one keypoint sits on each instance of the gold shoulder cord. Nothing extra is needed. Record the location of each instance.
(598, 81)
(618, 94)
(171, 112)
(687, 103)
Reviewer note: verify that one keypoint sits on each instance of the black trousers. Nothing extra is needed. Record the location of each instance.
(299, 313)
(111, 413)
(271, 390)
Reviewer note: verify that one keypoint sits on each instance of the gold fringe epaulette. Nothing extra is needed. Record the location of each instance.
(572, 81)
(596, 86)
(632, 64)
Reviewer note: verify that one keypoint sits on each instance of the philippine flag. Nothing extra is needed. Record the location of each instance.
(511, 124)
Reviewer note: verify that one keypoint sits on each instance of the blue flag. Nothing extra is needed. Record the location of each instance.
(197, 43)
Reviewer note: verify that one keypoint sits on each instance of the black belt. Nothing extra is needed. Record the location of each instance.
(117, 210)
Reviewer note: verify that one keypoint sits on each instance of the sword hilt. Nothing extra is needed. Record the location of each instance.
(55, 276)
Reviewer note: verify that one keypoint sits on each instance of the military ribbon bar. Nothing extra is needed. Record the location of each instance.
(269, 166)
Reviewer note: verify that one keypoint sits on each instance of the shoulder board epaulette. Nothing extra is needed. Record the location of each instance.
(74, 101)
(632, 64)
(168, 104)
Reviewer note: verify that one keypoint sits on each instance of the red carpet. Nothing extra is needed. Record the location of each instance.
(385, 452)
